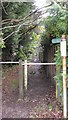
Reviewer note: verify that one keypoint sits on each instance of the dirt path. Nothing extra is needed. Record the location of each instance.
(40, 101)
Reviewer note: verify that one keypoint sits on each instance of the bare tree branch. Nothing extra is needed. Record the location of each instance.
(21, 24)
(25, 24)
(25, 17)
(3, 8)
(12, 33)
(8, 36)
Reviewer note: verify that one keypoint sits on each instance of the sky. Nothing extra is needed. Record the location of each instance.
(40, 4)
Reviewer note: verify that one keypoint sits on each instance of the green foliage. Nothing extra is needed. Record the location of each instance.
(58, 58)
(21, 55)
(59, 72)
(50, 108)
(56, 24)
(16, 11)
(2, 44)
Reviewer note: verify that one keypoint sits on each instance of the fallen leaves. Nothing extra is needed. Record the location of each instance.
(40, 101)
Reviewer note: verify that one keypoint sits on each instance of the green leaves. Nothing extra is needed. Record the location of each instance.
(2, 44)
(21, 54)
(50, 108)
(56, 24)
(16, 14)
(58, 58)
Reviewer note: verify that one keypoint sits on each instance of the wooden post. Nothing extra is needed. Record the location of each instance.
(25, 75)
(21, 89)
(57, 84)
(63, 54)
(58, 91)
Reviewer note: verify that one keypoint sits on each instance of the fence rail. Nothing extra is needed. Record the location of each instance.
(9, 62)
(23, 63)
(39, 64)
(23, 79)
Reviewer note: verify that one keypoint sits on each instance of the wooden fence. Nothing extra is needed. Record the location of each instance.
(23, 82)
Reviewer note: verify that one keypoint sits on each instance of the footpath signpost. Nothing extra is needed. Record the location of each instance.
(56, 40)
(63, 54)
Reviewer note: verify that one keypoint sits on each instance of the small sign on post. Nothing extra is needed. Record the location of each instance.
(56, 40)
(63, 48)
(63, 54)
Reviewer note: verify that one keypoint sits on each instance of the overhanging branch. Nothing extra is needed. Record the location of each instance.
(31, 13)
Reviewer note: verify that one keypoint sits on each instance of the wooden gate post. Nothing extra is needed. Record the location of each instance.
(25, 75)
(21, 89)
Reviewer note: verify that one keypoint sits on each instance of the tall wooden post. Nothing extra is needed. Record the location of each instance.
(21, 89)
(25, 75)
(63, 54)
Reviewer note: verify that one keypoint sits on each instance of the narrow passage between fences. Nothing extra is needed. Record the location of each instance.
(40, 101)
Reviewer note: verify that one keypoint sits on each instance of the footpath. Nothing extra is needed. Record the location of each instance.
(40, 101)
